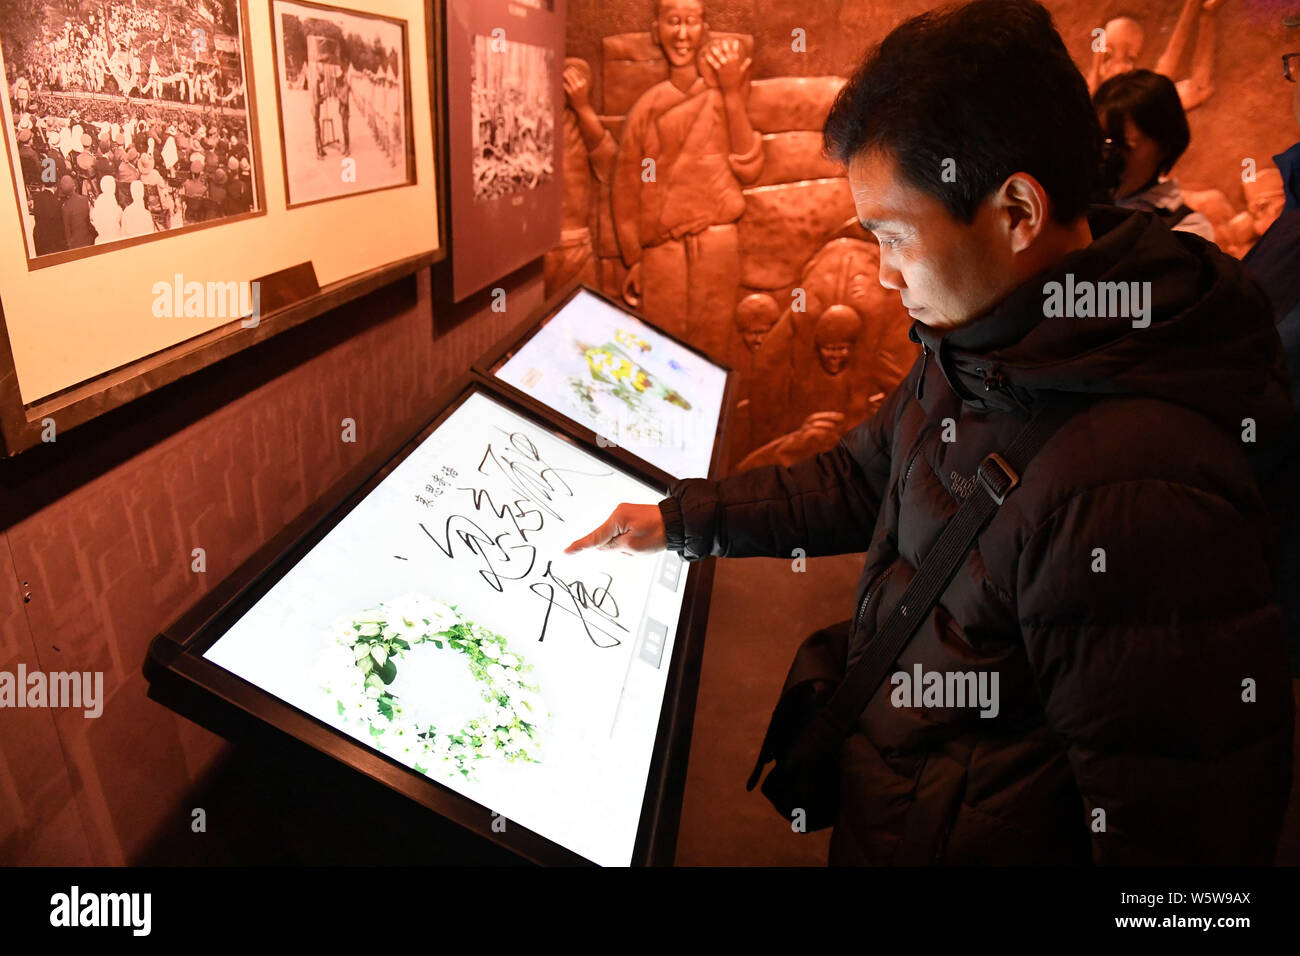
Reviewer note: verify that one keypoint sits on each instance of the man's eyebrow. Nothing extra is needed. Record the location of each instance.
(872, 225)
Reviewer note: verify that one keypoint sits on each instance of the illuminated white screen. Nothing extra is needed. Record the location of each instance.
(625, 381)
(477, 517)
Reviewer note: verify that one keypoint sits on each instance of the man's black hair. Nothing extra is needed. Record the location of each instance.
(988, 85)
(1152, 101)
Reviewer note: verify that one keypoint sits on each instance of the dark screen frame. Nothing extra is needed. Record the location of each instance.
(175, 661)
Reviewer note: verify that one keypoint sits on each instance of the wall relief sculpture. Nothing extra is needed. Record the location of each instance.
(696, 190)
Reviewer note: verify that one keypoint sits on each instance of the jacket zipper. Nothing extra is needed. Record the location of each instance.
(920, 446)
(920, 382)
(866, 598)
(907, 474)
(875, 585)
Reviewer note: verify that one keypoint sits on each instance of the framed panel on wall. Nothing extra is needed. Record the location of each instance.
(170, 203)
(628, 383)
(430, 632)
(333, 65)
(504, 61)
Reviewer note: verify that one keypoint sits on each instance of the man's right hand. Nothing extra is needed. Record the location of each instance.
(629, 529)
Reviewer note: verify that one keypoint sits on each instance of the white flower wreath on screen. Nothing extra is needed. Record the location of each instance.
(375, 643)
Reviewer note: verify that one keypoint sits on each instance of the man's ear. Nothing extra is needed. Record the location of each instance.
(1024, 208)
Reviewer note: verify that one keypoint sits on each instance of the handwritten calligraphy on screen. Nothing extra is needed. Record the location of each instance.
(440, 623)
(537, 491)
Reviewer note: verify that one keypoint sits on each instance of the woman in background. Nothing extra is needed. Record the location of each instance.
(1146, 132)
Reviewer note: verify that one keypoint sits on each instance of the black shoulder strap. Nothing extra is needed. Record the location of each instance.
(997, 476)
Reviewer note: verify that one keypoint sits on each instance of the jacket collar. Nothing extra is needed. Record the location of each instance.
(1162, 194)
(964, 354)
(979, 384)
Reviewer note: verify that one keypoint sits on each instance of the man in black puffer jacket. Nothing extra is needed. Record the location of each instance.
(1121, 595)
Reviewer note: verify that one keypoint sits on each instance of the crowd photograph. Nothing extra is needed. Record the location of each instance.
(514, 117)
(126, 119)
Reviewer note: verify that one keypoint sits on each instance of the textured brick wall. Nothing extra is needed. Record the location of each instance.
(99, 528)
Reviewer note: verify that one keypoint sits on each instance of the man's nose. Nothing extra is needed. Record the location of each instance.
(890, 277)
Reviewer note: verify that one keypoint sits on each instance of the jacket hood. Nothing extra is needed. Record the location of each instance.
(1195, 329)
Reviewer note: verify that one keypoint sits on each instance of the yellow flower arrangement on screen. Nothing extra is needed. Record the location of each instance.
(611, 365)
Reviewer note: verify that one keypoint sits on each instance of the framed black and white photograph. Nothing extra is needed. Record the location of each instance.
(126, 121)
(514, 116)
(344, 94)
(163, 121)
(504, 103)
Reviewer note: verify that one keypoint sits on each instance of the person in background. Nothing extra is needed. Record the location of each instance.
(76, 215)
(127, 173)
(55, 156)
(222, 146)
(22, 93)
(343, 90)
(196, 147)
(104, 165)
(194, 195)
(157, 194)
(181, 135)
(211, 158)
(246, 174)
(217, 193)
(85, 167)
(47, 234)
(106, 214)
(171, 152)
(65, 144)
(1146, 132)
(1275, 262)
(29, 159)
(238, 148)
(316, 83)
(239, 198)
(136, 218)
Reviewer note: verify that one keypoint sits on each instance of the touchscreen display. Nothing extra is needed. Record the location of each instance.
(440, 623)
(630, 384)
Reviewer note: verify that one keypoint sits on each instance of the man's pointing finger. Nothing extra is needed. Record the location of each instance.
(596, 538)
